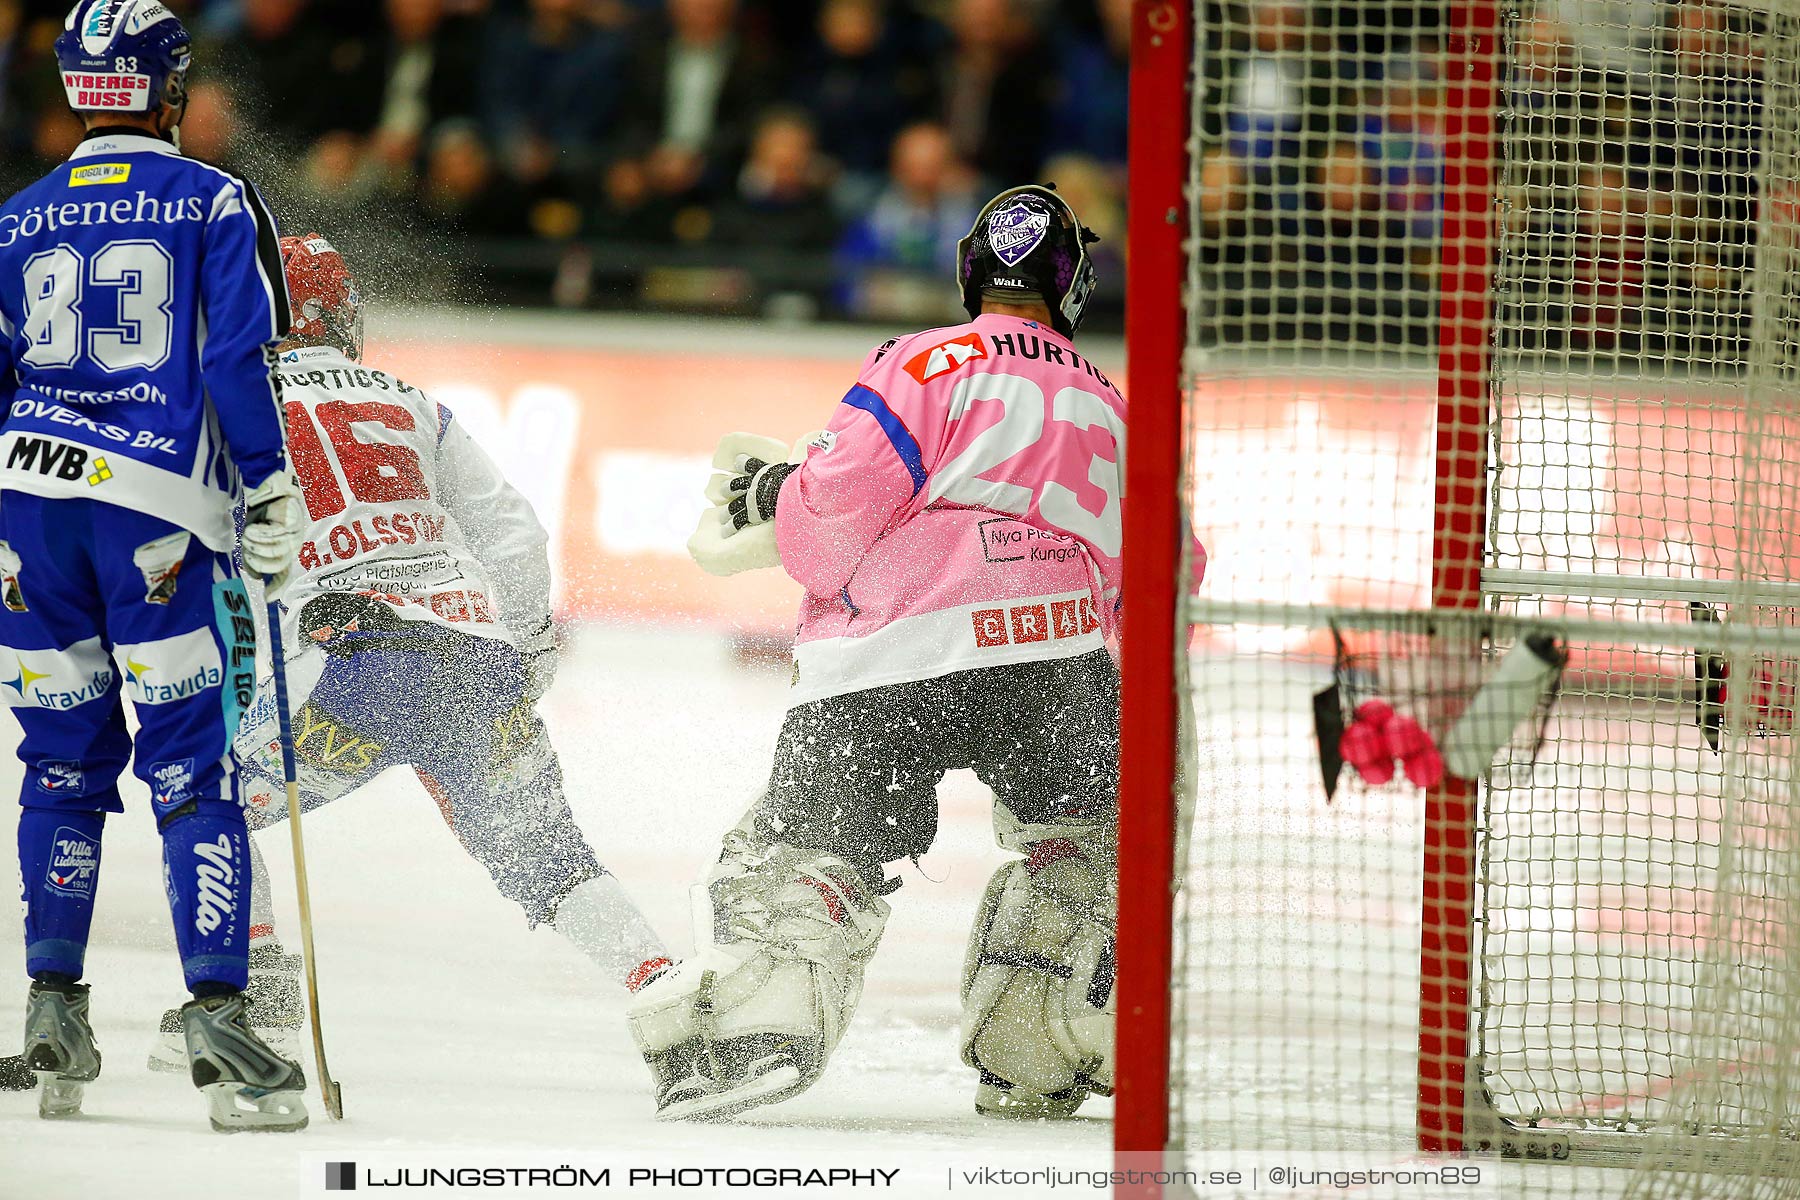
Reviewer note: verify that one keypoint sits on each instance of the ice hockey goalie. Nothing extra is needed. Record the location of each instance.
(957, 529)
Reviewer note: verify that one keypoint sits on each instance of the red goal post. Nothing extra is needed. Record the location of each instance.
(1156, 340)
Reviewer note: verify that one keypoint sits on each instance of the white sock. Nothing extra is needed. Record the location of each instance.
(602, 922)
(262, 900)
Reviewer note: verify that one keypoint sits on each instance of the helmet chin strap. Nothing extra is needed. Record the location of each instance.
(175, 101)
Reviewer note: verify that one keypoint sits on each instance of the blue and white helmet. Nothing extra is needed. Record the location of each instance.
(123, 56)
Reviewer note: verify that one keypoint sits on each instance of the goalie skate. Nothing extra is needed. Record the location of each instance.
(698, 1082)
(276, 1012)
(59, 1046)
(246, 1084)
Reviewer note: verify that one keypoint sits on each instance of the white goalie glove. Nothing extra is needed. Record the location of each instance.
(274, 519)
(737, 533)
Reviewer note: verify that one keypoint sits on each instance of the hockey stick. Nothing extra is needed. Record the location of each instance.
(334, 1096)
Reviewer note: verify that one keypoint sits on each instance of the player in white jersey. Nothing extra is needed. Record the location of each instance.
(418, 621)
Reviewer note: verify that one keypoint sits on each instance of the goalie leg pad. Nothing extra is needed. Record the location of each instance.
(784, 936)
(1038, 994)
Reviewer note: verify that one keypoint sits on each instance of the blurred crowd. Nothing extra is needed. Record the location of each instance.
(1626, 150)
(713, 151)
(868, 131)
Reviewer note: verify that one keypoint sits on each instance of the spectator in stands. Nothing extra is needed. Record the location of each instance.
(337, 180)
(1611, 262)
(783, 192)
(1615, 39)
(928, 205)
(278, 53)
(429, 61)
(626, 211)
(54, 135)
(1357, 280)
(693, 85)
(12, 28)
(1716, 86)
(209, 132)
(996, 88)
(461, 191)
(1702, 47)
(550, 91)
(34, 109)
(1267, 97)
(1092, 189)
(861, 87)
(1400, 137)
(312, 67)
(1093, 88)
(1231, 241)
(1224, 193)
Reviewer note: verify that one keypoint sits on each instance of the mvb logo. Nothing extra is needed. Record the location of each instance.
(62, 459)
(213, 878)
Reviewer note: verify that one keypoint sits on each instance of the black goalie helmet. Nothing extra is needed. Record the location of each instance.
(1028, 245)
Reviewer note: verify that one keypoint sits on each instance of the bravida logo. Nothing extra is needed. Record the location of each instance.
(214, 875)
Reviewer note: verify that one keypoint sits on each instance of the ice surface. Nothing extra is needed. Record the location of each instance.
(451, 1027)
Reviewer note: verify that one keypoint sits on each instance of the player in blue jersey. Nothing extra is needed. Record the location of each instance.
(141, 297)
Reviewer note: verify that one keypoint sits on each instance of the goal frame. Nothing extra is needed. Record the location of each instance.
(1157, 219)
(1159, 215)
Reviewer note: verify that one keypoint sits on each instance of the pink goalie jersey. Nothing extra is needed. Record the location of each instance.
(961, 510)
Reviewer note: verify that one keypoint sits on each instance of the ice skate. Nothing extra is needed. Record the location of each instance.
(994, 1097)
(59, 1046)
(277, 1015)
(698, 1081)
(246, 1084)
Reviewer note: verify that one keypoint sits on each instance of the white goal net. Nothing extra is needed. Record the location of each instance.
(1493, 388)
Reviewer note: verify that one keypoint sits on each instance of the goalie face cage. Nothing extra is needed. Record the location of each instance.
(1475, 321)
